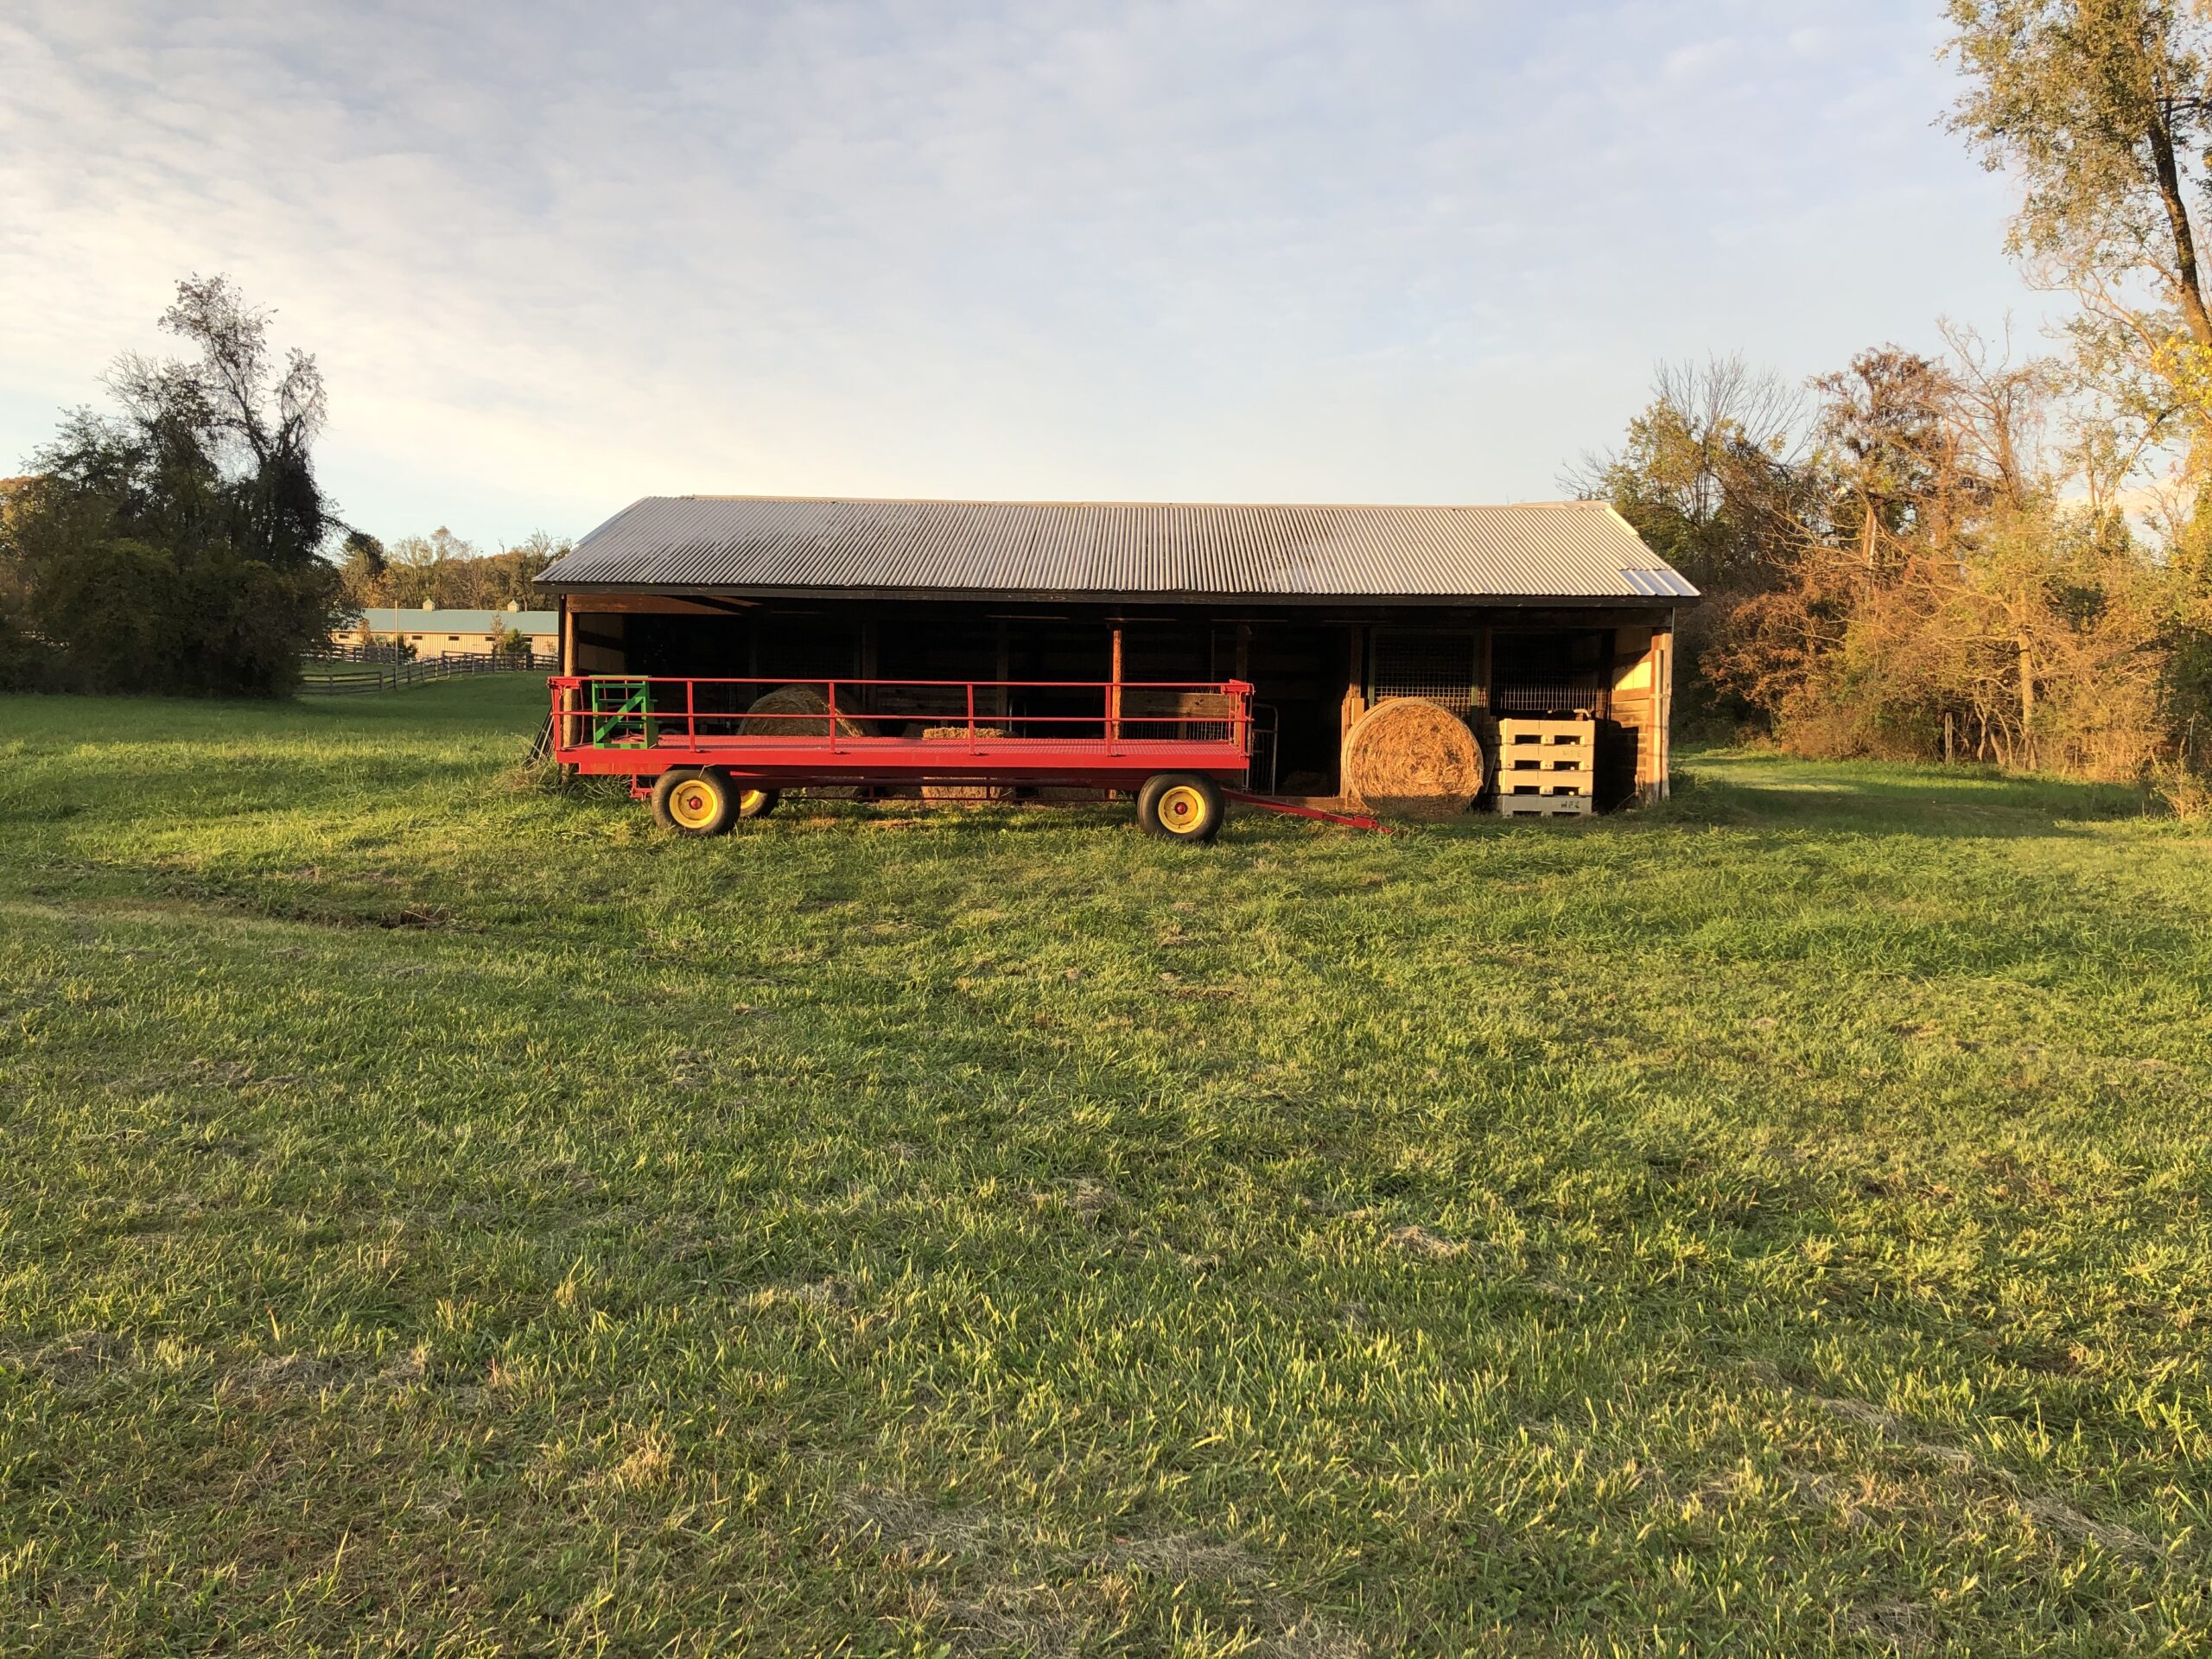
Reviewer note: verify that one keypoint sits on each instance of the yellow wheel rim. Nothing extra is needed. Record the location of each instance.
(1182, 809)
(692, 804)
(749, 804)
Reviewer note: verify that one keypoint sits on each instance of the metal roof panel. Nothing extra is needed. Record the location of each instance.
(1577, 549)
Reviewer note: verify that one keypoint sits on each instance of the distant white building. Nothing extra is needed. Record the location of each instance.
(434, 633)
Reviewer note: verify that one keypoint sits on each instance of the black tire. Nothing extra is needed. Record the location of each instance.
(1148, 795)
(688, 802)
(756, 802)
(1180, 806)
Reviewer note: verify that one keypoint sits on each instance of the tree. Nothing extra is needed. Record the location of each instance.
(2102, 109)
(176, 548)
(1709, 477)
(361, 570)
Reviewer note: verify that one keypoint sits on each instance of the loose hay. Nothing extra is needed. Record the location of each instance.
(1414, 758)
(961, 792)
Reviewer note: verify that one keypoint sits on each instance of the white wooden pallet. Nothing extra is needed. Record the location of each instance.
(1544, 806)
(1546, 768)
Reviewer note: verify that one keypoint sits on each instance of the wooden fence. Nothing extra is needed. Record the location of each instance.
(342, 673)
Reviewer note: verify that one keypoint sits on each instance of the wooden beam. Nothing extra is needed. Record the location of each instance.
(567, 735)
(1354, 703)
(1114, 692)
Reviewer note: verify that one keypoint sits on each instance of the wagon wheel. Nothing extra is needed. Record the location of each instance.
(694, 802)
(1180, 806)
(757, 803)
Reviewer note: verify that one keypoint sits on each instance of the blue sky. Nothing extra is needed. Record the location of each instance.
(553, 258)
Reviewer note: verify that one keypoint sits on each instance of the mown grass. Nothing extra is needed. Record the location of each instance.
(442, 1215)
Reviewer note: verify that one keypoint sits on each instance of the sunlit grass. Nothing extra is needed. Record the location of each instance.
(445, 1216)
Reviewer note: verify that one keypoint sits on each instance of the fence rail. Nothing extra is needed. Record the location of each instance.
(381, 673)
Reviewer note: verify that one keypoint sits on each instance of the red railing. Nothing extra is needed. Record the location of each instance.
(859, 717)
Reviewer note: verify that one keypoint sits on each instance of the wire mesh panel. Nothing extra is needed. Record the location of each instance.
(1585, 695)
(1550, 671)
(1441, 667)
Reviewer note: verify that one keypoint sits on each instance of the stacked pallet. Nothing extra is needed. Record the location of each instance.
(1546, 768)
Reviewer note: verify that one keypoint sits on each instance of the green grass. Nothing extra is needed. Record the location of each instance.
(443, 1215)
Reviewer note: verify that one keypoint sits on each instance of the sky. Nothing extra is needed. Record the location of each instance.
(553, 258)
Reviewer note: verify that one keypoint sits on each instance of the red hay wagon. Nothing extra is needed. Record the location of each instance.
(709, 752)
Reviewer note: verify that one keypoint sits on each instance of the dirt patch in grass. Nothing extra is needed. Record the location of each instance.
(78, 1356)
(1902, 1627)
(1420, 1243)
(2065, 1519)
(277, 1377)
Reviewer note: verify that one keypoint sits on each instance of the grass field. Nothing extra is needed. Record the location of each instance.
(442, 1215)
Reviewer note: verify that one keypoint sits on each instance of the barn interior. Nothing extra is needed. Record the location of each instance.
(1314, 668)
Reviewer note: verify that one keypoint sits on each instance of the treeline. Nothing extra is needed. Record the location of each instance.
(1919, 556)
(442, 569)
(1957, 554)
(175, 546)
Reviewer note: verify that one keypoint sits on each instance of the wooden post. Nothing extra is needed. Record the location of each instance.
(1243, 652)
(1354, 698)
(1002, 699)
(568, 667)
(1113, 692)
(1662, 703)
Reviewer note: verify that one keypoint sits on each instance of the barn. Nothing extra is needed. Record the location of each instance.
(1553, 609)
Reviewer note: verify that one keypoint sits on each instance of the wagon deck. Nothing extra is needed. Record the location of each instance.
(709, 749)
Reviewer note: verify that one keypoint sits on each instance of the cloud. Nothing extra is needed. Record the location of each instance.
(553, 256)
(1696, 61)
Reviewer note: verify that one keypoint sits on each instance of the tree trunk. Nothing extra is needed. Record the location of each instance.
(2187, 293)
(2027, 699)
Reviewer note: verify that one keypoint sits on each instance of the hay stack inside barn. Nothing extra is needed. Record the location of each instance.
(793, 711)
(1410, 757)
(963, 792)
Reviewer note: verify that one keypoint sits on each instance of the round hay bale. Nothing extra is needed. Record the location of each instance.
(776, 714)
(1412, 758)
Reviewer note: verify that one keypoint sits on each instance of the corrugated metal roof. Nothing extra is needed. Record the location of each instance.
(1575, 549)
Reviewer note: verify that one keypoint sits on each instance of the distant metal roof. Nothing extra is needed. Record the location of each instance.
(1581, 551)
(413, 618)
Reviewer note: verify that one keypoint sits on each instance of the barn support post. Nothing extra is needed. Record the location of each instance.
(567, 665)
(1355, 697)
(1113, 692)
